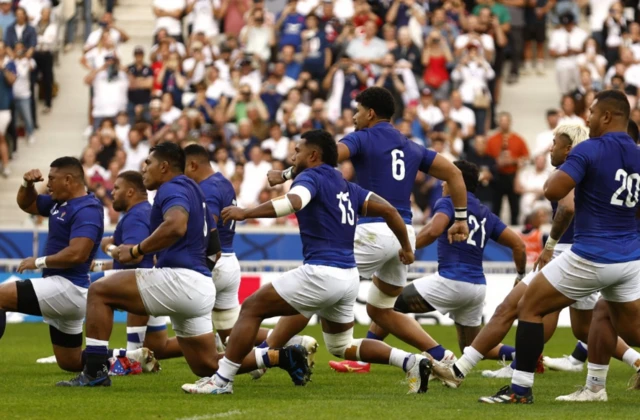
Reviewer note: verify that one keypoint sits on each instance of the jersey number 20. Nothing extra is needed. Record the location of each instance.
(627, 181)
(397, 164)
(475, 226)
(348, 215)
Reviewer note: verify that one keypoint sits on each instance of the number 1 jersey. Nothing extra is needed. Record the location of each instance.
(606, 171)
(386, 162)
(462, 261)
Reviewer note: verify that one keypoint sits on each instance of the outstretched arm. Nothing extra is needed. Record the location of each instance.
(289, 203)
(432, 230)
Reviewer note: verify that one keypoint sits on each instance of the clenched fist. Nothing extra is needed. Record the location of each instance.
(33, 176)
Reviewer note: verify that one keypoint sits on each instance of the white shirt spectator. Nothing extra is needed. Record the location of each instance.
(135, 156)
(561, 41)
(360, 48)
(600, 62)
(486, 43)
(255, 179)
(199, 70)
(202, 17)
(171, 115)
(220, 88)
(631, 75)
(300, 114)
(465, 117)
(22, 85)
(431, 115)
(34, 9)
(285, 85)
(474, 79)
(122, 133)
(94, 37)
(47, 41)
(95, 56)
(177, 47)
(599, 13)
(109, 97)
(96, 171)
(253, 79)
(543, 141)
(279, 148)
(304, 7)
(171, 24)
(258, 40)
(227, 169)
(343, 9)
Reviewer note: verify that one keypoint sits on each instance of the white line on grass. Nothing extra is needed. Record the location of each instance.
(213, 416)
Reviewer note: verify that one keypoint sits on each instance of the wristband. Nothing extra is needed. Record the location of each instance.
(131, 252)
(287, 174)
(550, 244)
(140, 251)
(41, 262)
(25, 183)
(460, 213)
(110, 249)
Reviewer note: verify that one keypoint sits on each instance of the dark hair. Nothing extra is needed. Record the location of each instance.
(379, 99)
(551, 112)
(614, 101)
(470, 174)
(633, 132)
(171, 153)
(324, 141)
(71, 164)
(196, 151)
(134, 178)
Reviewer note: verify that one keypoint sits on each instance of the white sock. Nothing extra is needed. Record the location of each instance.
(470, 358)
(259, 357)
(632, 358)
(96, 343)
(596, 376)
(398, 358)
(226, 372)
(135, 337)
(523, 379)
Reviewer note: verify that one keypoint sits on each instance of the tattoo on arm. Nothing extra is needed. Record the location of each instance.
(561, 222)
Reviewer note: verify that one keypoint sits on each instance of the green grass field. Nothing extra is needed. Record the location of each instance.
(27, 390)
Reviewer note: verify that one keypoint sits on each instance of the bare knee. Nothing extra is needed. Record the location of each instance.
(505, 313)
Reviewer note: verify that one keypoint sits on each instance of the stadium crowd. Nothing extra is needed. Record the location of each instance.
(244, 78)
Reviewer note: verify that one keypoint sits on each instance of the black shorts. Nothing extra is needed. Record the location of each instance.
(536, 32)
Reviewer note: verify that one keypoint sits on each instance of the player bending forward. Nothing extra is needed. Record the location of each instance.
(327, 284)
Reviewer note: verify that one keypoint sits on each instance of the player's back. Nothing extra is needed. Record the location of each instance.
(386, 163)
(132, 229)
(607, 174)
(219, 193)
(327, 223)
(462, 261)
(190, 250)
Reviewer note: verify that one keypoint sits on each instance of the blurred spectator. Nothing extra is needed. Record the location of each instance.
(106, 25)
(439, 25)
(407, 54)
(402, 12)
(509, 150)
(599, 12)
(463, 115)
(614, 28)
(593, 62)
(140, 84)
(569, 116)
(47, 31)
(136, 150)
(368, 50)
(391, 79)
(72, 16)
(290, 25)
(204, 16)
(170, 113)
(293, 109)
(487, 168)
(7, 17)
(536, 12)
(122, 127)
(277, 143)
(530, 182)
(258, 36)
(22, 89)
(255, 177)
(428, 113)
(110, 88)
(436, 59)
(532, 235)
(343, 82)
(565, 44)
(195, 66)
(544, 140)
(169, 16)
(223, 163)
(316, 50)
(516, 10)
(21, 31)
(7, 79)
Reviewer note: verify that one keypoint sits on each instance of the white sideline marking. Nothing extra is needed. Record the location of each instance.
(213, 416)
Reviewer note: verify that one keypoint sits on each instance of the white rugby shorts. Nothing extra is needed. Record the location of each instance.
(226, 278)
(577, 278)
(184, 295)
(329, 292)
(376, 250)
(586, 303)
(62, 303)
(462, 301)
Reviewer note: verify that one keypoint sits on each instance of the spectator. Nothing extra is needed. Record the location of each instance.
(484, 42)
(569, 111)
(259, 126)
(614, 28)
(407, 54)
(7, 79)
(391, 79)
(389, 36)
(463, 115)
(530, 183)
(140, 84)
(172, 79)
(255, 177)
(544, 140)
(170, 113)
(232, 12)
(237, 109)
(195, 66)
(136, 150)
(94, 173)
(594, 62)
(488, 170)
(436, 59)
(95, 57)
(473, 72)
(318, 118)
(292, 63)
(258, 37)
(290, 25)
(363, 14)
(447, 31)
(428, 113)
(516, 10)
(536, 12)
(293, 109)
(223, 163)
(599, 12)
(110, 88)
(532, 235)
(47, 31)
(122, 127)
(509, 150)
(22, 32)
(166, 44)
(343, 82)
(277, 143)
(565, 44)
(204, 16)
(368, 50)
(316, 51)
(7, 17)
(22, 89)
(169, 17)
(106, 24)
(205, 106)
(218, 89)
(71, 18)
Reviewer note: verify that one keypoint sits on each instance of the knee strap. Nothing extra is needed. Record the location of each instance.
(343, 345)
(225, 320)
(68, 341)
(379, 299)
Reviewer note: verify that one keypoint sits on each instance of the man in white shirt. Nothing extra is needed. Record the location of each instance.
(486, 44)
(255, 178)
(599, 12)
(462, 115)
(136, 150)
(106, 24)
(169, 16)
(203, 16)
(277, 143)
(34, 9)
(194, 67)
(565, 44)
(544, 140)
(368, 49)
(110, 90)
(427, 111)
(217, 88)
